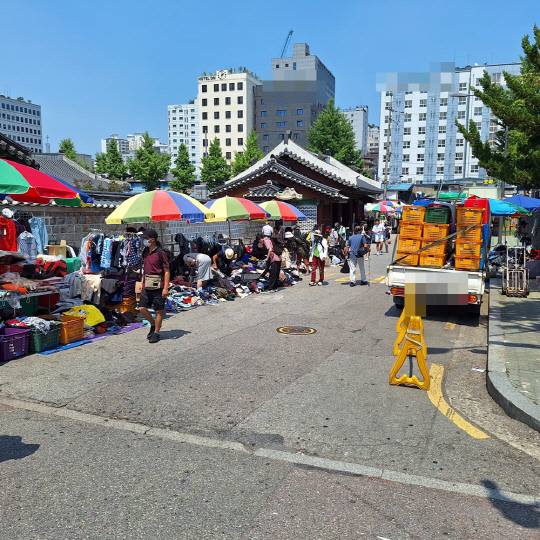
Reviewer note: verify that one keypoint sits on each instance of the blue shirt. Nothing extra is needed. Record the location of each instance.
(354, 243)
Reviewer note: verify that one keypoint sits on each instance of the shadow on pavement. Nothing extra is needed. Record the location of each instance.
(173, 334)
(524, 515)
(13, 448)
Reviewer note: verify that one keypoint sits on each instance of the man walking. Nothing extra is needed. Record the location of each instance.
(356, 245)
(155, 283)
(378, 235)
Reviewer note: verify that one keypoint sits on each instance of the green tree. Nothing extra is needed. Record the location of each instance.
(332, 131)
(518, 109)
(100, 163)
(183, 171)
(148, 166)
(67, 147)
(251, 152)
(116, 168)
(215, 170)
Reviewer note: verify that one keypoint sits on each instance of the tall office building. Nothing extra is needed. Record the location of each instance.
(358, 117)
(183, 128)
(425, 145)
(20, 120)
(128, 147)
(122, 144)
(226, 110)
(301, 87)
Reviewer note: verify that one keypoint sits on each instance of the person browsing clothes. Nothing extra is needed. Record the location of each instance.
(155, 283)
(200, 266)
(356, 247)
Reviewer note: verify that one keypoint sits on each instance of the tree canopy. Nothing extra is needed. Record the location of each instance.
(215, 170)
(148, 166)
(242, 161)
(111, 162)
(67, 147)
(332, 131)
(518, 110)
(183, 172)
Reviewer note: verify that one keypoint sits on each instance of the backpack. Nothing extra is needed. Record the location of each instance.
(303, 245)
(277, 245)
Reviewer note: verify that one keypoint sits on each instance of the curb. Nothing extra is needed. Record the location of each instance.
(498, 384)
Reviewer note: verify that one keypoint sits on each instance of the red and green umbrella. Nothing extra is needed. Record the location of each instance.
(282, 210)
(26, 184)
(159, 205)
(234, 209)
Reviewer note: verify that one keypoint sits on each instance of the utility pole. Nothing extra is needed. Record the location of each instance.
(503, 185)
(387, 162)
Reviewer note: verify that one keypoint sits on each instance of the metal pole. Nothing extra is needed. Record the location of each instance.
(503, 187)
(387, 161)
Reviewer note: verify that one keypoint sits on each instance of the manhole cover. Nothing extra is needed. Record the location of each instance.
(296, 330)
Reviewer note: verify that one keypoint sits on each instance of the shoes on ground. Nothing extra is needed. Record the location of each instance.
(320, 283)
(353, 284)
(364, 283)
(154, 338)
(312, 284)
(151, 333)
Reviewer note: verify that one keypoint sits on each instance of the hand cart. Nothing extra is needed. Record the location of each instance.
(516, 279)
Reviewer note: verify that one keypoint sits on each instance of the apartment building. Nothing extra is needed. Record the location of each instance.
(358, 118)
(421, 109)
(226, 110)
(183, 128)
(20, 120)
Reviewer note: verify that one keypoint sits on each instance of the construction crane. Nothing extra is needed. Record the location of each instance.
(287, 41)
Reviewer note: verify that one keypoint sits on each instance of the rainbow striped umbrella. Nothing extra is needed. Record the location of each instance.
(234, 209)
(159, 205)
(282, 210)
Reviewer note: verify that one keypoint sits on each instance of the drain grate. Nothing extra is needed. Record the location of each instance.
(296, 330)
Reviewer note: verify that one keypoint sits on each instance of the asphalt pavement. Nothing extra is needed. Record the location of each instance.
(229, 429)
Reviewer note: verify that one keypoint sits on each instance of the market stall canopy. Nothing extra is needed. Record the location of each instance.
(529, 203)
(382, 206)
(505, 208)
(159, 205)
(234, 209)
(282, 210)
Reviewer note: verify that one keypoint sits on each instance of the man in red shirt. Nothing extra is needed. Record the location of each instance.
(155, 283)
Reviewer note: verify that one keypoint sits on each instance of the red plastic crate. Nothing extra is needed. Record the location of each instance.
(479, 203)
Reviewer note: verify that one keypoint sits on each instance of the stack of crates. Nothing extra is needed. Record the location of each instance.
(410, 235)
(436, 227)
(469, 244)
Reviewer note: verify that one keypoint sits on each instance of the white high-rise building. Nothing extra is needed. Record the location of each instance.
(425, 145)
(20, 120)
(358, 117)
(122, 144)
(183, 128)
(226, 110)
(128, 147)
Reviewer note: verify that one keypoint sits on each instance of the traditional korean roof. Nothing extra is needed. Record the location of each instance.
(14, 151)
(324, 165)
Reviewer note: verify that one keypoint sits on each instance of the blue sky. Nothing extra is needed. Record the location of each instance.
(101, 67)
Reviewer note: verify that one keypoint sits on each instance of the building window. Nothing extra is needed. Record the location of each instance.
(440, 157)
(423, 103)
(442, 115)
(281, 136)
(227, 101)
(441, 143)
(406, 157)
(474, 168)
(421, 143)
(408, 104)
(263, 113)
(240, 141)
(231, 86)
(442, 129)
(240, 114)
(204, 88)
(216, 87)
(281, 124)
(478, 126)
(444, 102)
(478, 111)
(227, 155)
(422, 117)
(266, 137)
(228, 128)
(440, 170)
(204, 102)
(405, 170)
(419, 157)
(205, 116)
(462, 86)
(240, 128)
(299, 111)
(240, 86)
(205, 129)
(227, 142)
(266, 149)
(240, 100)
(407, 117)
(281, 113)
(407, 131)
(459, 142)
(216, 115)
(458, 170)
(299, 123)
(461, 115)
(263, 125)
(406, 144)
(462, 100)
(459, 156)
(422, 130)
(216, 101)
(296, 136)
(227, 114)
(420, 170)
(216, 129)
(223, 87)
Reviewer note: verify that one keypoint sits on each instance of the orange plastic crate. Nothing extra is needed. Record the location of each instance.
(469, 216)
(409, 260)
(411, 230)
(468, 262)
(439, 249)
(413, 214)
(434, 231)
(432, 260)
(472, 235)
(72, 328)
(409, 245)
(466, 248)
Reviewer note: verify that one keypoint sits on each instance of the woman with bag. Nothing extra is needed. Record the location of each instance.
(318, 254)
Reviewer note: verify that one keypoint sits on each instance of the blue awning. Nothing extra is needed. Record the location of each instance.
(400, 187)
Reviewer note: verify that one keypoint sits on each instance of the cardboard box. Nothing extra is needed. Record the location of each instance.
(56, 250)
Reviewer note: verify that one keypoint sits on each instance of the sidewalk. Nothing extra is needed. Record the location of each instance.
(513, 377)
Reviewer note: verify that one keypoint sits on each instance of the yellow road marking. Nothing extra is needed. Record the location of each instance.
(330, 275)
(436, 397)
(343, 279)
(449, 326)
(378, 280)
